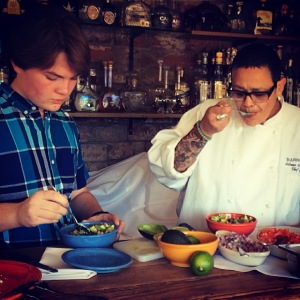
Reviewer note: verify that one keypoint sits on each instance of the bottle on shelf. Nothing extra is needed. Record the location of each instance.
(218, 85)
(177, 17)
(263, 18)
(168, 96)
(136, 13)
(71, 6)
(238, 21)
(110, 98)
(155, 94)
(90, 11)
(110, 14)
(161, 15)
(87, 99)
(284, 24)
(133, 97)
(182, 91)
(202, 81)
(289, 87)
(4, 69)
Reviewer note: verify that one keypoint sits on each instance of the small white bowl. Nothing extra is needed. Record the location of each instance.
(252, 260)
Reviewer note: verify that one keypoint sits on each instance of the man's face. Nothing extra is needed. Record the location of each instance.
(256, 80)
(48, 89)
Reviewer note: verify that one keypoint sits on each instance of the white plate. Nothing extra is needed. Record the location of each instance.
(275, 251)
(252, 260)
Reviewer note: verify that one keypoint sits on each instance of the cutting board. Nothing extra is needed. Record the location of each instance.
(140, 249)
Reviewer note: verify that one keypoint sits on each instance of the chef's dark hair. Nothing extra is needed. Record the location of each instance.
(258, 55)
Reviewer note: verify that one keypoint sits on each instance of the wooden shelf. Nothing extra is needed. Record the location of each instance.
(124, 115)
(246, 36)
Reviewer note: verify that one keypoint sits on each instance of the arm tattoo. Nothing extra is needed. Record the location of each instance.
(187, 150)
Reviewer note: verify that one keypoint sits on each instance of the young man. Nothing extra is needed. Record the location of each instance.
(240, 155)
(40, 156)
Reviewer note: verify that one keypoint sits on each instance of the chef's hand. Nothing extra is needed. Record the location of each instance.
(108, 217)
(43, 207)
(216, 118)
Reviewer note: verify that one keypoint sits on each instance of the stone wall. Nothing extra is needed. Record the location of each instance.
(106, 141)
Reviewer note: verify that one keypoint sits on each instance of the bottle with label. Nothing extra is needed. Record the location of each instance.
(263, 18)
(240, 20)
(110, 14)
(71, 6)
(161, 15)
(110, 98)
(158, 87)
(182, 91)
(177, 17)
(218, 86)
(289, 87)
(4, 70)
(87, 99)
(202, 81)
(90, 11)
(136, 13)
(12, 7)
(133, 97)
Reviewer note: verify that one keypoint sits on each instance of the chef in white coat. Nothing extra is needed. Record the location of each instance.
(237, 155)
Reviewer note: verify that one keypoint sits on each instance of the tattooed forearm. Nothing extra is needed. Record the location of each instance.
(187, 150)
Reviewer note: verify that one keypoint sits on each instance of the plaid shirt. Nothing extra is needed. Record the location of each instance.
(36, 153)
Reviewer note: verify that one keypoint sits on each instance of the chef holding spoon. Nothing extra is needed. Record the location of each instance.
(241, 155)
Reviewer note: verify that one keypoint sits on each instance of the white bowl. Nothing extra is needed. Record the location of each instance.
(252, 260)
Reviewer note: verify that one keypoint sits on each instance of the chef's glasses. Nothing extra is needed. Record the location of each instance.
(257, 97)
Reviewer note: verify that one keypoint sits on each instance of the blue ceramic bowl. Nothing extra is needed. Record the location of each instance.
(87, 241)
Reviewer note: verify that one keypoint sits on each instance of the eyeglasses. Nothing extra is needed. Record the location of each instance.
(257, 97)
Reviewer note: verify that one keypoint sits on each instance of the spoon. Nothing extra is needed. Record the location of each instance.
(242, 252)
(77, 225)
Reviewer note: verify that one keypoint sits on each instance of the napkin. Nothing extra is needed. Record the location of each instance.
(52, 257)
(272, 266)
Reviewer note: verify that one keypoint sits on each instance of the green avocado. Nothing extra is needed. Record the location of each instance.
(174, 236)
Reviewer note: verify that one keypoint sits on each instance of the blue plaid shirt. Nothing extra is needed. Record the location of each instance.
(36, 153)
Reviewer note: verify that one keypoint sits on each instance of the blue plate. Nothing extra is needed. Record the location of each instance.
(100, 260)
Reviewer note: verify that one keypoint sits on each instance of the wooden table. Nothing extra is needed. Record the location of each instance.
(159, 279)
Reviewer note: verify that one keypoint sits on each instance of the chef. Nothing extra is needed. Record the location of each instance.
(240, 154)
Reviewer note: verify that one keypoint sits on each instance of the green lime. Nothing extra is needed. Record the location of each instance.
(201, 263)
(193, 239)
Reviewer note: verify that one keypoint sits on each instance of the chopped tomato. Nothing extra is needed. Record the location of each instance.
(278, 236)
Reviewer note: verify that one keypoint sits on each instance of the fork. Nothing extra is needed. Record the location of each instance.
(77, 225)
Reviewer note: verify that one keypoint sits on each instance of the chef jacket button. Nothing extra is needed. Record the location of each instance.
(52, 162)
(33, 107)
(268, 205)
(26, 112)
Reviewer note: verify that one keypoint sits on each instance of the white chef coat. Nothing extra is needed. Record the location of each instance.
(247, 169)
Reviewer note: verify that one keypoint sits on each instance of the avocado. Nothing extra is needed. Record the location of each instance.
(174, 236)
(149, 230)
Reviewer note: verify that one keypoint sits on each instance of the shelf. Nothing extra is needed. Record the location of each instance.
(246, 36)
(124, 115)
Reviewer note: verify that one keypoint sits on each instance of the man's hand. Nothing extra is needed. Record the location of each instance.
(43, 207)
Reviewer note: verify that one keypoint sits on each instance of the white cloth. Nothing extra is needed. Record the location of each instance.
(272, 266)
(52, 257)
(130, 190)
(247, 169)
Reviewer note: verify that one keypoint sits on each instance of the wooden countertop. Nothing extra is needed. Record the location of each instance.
(159, 279)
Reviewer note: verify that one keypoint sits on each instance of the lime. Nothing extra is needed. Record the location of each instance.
(201, 263)
(193, 239)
